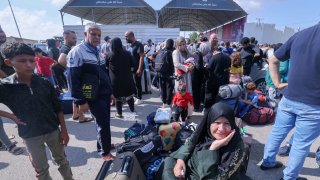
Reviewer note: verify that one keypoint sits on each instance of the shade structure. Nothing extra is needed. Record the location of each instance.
(188, 15)
(112, 12)
(199, 15)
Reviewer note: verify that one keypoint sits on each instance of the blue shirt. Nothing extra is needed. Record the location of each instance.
(303, 50)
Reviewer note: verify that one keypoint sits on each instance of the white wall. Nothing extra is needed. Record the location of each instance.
(267, 33)
(141, 32)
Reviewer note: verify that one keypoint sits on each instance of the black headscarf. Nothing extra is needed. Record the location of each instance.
(202, 137)
(169, 44)
(116, 46)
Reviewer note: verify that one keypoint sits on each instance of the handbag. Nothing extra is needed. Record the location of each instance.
(90, 85)
(163, 115)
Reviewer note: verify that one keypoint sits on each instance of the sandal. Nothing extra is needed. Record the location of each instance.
(12, 136)
(85, 120)
(75, 118)
(15, 150)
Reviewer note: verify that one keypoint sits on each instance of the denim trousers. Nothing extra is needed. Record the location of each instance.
(306, 120)
(3, 136)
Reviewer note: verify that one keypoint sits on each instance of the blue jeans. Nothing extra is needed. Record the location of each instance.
(3, 136)
(306, 119)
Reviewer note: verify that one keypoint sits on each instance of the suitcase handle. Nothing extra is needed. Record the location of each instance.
(106, 166)
(127, 166)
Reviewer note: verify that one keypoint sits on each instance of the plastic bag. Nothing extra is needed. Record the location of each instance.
(163, 115)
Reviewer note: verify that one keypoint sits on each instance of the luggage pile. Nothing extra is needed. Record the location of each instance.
(142, 153)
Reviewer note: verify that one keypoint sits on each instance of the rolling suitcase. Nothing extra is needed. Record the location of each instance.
(124, 167)
(66, 102)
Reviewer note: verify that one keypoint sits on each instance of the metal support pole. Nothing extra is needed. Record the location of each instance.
(14, 19)
(93, 16)
(62, 14)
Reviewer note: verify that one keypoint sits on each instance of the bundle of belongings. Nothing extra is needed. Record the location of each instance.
(142, 154)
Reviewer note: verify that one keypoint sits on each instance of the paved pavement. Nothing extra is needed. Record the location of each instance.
(85, 162)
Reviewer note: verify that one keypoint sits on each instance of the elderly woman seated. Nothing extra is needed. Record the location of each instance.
(214, 151)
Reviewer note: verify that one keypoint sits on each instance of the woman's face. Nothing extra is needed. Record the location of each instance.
(182, 46)
(221, 128)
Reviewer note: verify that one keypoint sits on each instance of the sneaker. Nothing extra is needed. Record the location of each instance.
(118, 115)
(276, 166)
(284, 150)
(138, 102)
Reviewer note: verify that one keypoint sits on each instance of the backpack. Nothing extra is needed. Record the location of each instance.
(259, 116)
(182, 136)
(134, 130)
(161, 64)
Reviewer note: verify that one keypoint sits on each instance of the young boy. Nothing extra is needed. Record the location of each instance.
(36, 109)
(180, 102)
(44, 65)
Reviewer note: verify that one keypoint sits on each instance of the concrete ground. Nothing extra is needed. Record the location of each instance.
(85, 162)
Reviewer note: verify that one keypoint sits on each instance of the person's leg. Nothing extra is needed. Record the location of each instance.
(51, 79)
(58, 154)
(119, 105)
(100, 108)
(306, 132)
(176, 113)
(38, 156)
(130, 102)
(163, 91)
(196, 88)
(4, 137)
(75, 113)
(170, 87)
(184, 114)
(284, 122)
(137, 81)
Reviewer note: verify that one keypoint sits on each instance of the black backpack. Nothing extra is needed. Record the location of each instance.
(161, 63)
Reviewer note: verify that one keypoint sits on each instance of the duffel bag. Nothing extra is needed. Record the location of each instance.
(259, 116)
(230, 91)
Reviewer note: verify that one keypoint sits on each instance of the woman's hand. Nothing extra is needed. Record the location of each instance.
(179, 169)
(217, 144)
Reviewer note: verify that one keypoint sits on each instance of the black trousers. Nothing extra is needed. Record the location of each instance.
(100, 109)
(179, 111)
(166, 86)
(119, 103)
(137, 82)
(198, 82)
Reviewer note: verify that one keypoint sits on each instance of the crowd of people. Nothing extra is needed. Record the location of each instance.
(188, 76)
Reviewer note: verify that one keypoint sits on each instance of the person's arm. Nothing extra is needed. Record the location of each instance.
(63, 60)
(141, 64)
(176, 61)
(74, 64)
(64, 137)
(12, 117)
(274, 64)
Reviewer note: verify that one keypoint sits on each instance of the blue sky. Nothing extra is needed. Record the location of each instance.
(40, 19)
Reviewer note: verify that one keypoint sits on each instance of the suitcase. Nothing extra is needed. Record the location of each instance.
(146, 79)
(66, 102)
(124, 167)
